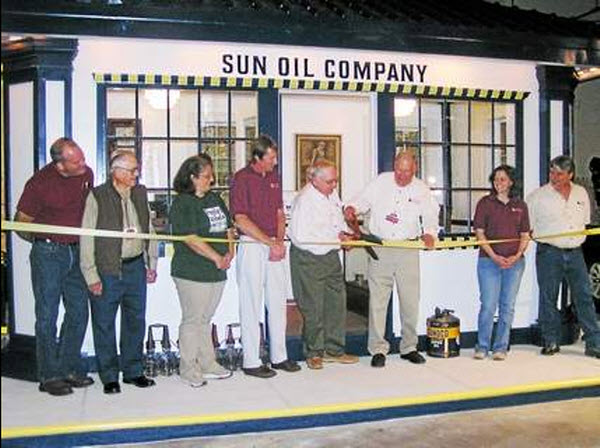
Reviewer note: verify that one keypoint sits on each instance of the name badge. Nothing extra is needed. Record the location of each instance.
(130, 230)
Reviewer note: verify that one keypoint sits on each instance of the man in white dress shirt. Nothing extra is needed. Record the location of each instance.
(401, 208)
(557, 207)
(317, 275)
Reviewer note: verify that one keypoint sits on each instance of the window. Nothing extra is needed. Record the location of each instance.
(457, 144)
(164, 126)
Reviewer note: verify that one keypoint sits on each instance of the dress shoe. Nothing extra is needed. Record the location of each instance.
(260, 372)
(287, 366)
(314, 363)
(56, 387)
(140, 381)
(343, 358)
(112, 388)
(79, 381)
(549, 350)
(594, 352)
(378, 360)
(414, 357)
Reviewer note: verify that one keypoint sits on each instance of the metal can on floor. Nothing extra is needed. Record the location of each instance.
(443, 334)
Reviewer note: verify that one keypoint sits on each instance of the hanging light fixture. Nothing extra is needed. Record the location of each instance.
(403, 107)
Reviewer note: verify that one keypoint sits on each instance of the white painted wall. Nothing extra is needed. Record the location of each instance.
(447, 276)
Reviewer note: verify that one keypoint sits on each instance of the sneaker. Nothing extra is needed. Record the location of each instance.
(550, 349)
(343, 358)
(479, 354)
(594, 352)
(195, 383)
(314, 363)
(499, 356)
(217, 373)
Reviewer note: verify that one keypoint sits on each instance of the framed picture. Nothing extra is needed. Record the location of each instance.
(313, 147)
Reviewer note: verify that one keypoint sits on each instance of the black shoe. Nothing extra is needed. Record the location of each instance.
(378, 360)
(594, 352)
(414, 357)
(287, 366)
(140, 381)
(549, 350)
(79, 381)
(56, 387)
(260, 372)
(112, 388)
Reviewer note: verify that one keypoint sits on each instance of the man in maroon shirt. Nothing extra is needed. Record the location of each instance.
(257, 206)
(55, 195)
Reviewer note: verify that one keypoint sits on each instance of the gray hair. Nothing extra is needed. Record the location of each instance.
(317, 169)
(118, 156)
(563, 163)
(58, 148)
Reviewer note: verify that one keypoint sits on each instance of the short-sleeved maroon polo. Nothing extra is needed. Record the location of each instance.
(258, 197)
(53, 199)
(501, 221)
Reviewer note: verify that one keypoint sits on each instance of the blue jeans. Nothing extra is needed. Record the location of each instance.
(552, 266)
(55, 274)
(127, 291)
(498, 290)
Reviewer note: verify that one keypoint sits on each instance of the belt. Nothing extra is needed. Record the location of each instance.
(131, 259)
(565, 249)
(49, 241)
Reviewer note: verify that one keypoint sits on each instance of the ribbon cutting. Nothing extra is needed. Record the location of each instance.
(404, 244)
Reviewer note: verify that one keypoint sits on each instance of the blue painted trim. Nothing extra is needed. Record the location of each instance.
(101, 160)
(68, 101)
(306, 421)
(268, 113)
(39, 123)
(385, 132)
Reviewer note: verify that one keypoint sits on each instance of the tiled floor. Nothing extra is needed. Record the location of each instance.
(336, 385)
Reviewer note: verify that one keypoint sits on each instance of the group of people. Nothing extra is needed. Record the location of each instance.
(112, 273)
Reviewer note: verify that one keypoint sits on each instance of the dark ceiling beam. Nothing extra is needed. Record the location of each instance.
(270, 26)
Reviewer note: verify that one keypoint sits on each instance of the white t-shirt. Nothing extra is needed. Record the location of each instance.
(550, 213)
(398, 213)
(316, 218)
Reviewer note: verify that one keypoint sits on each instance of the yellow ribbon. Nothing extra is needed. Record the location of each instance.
(405, 244)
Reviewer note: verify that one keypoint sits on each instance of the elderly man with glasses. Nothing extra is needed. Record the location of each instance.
(116, 271)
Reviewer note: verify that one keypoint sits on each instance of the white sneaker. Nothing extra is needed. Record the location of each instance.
(193, 383)
(217, 373)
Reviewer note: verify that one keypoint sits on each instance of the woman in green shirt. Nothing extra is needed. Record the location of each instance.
(198, 268)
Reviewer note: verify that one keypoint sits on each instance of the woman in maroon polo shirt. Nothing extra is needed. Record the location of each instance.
(500, 215)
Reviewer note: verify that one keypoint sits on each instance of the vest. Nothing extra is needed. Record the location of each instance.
(107, 251)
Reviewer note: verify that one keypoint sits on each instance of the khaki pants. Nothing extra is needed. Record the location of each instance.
(319, 289)
(401, 265)
(199, 302)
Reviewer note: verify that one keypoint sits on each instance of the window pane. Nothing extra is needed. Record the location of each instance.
(481, 122)
(181, 150)
(461, 205)
(407, 120)
(244, 113)
(120, 103)
(153, 112)
(504, 123)
(154, 164)
(432, 165)
(219, 152)
(241, 154)
(431, 121)
(459, 159)
(184, 113)
(481, 166)
(505, 155)
(213, 117)
(459, 121)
